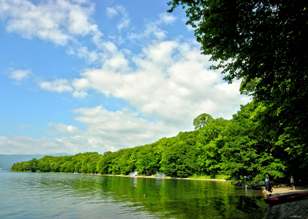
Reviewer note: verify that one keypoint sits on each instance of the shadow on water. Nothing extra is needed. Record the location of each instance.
(166, 198)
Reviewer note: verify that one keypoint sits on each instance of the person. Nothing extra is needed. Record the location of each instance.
(245, 183)
(268, 185)
(292, 182)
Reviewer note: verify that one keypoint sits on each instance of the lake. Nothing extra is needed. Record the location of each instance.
(61, 195)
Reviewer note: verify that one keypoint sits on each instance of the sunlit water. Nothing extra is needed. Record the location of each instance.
(57, 195)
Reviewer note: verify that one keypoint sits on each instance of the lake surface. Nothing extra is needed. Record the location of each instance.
(61, 195)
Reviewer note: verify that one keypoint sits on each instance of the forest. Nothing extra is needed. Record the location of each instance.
(217, 147)
(262, 43)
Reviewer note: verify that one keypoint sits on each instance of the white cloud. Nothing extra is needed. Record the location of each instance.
(124, 23)
(58, 86)
(64, 128)
(120, 128)
(103, 131)
(19, 74)
(154, 29)
(80, 84)
(79, 94)
(167, 18)
(111, 12)
(85, 53)
(56, 20)
(28, 145)
(78, 22)
(118, 10)
(76, 87)
(171, 81)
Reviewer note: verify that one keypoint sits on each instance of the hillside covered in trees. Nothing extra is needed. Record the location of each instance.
(236, 148)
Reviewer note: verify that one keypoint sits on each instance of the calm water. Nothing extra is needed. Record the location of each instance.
(56, 195)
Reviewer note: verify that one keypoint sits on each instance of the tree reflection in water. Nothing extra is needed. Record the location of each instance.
(170, 198)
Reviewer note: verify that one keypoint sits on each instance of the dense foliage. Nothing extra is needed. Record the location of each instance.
(263, 43)
(220, 147)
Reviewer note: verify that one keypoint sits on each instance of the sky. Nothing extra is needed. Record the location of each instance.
(81, 75)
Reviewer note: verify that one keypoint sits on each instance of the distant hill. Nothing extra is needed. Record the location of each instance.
(6, 161)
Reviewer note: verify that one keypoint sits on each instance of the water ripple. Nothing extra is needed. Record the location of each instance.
(57, 195)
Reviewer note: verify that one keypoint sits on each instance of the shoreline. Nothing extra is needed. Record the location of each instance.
(166, 177)
(193, 178)
(284, 190)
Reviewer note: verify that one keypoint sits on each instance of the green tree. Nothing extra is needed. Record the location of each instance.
(148, 160)
(179, 153)
(202, 120)
(245, 153)
(209, 146)
(263, 43)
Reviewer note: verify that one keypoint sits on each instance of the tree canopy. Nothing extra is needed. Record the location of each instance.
(263, 43)
(202, 120)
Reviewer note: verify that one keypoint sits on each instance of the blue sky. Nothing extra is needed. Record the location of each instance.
(83, 75)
